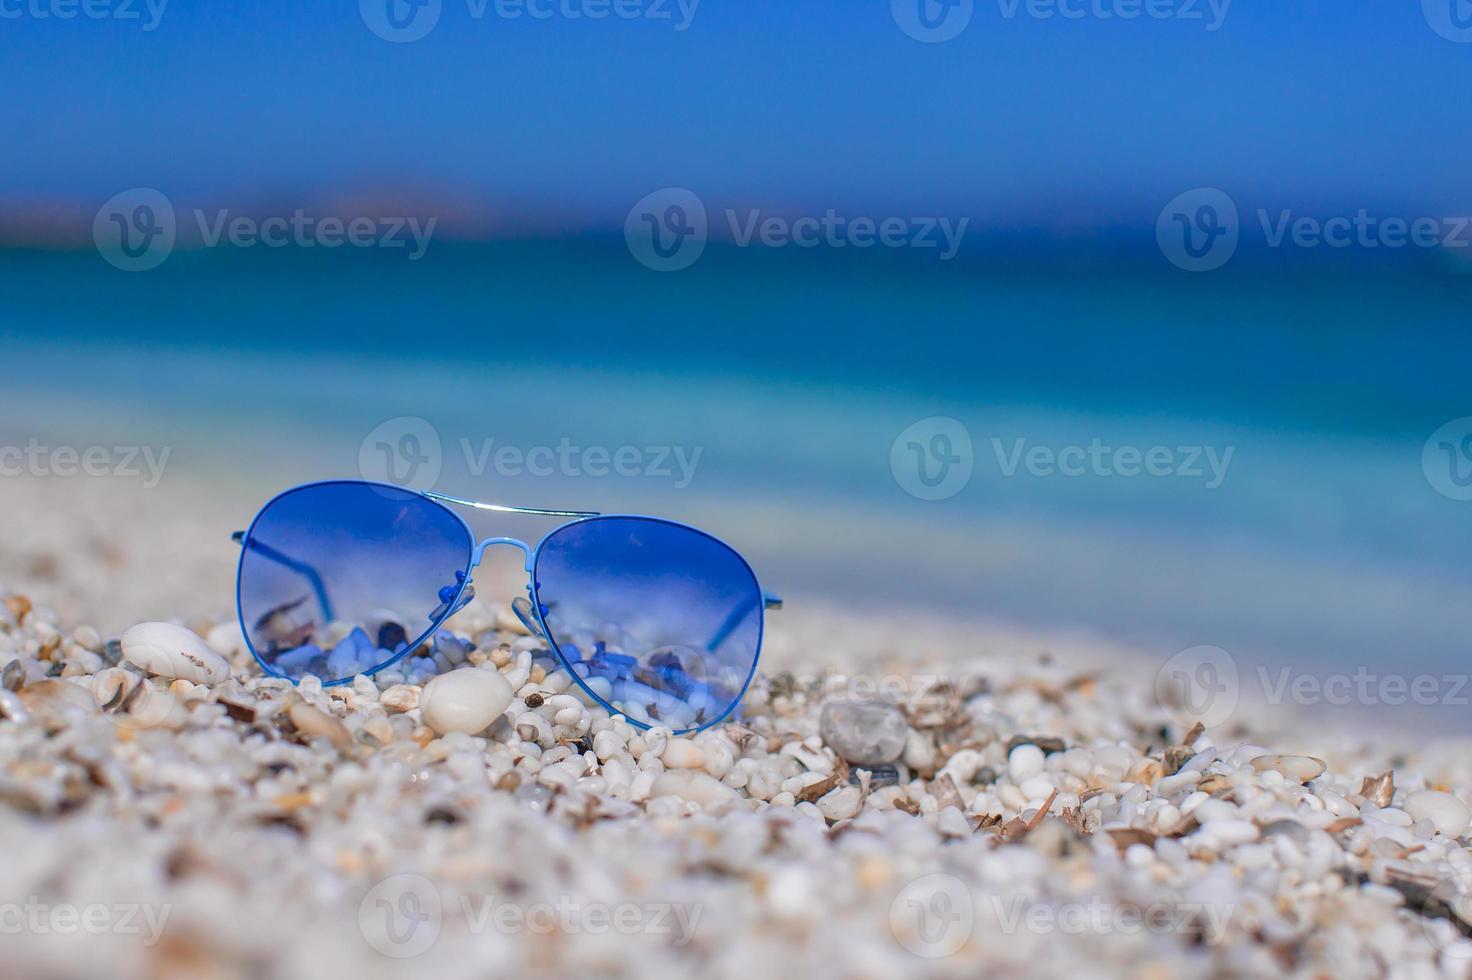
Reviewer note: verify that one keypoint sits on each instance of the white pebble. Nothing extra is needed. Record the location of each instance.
(1024, 762)
(1449, 815)
(681, 753)
(841, 804)
(694, 786)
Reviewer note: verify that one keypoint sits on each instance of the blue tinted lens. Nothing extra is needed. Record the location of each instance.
(661, 622)
(336, 579)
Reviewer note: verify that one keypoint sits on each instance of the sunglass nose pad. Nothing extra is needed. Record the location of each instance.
(524, 612)
(447, 595)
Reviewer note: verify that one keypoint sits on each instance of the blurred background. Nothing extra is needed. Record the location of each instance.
(1144, 321)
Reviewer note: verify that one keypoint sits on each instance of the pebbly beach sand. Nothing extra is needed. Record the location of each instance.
(902, 795)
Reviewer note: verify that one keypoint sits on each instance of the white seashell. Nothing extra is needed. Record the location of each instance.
(532, 727)
(1301, 768)
(173, 651)
(1449, 815)
(465, 700)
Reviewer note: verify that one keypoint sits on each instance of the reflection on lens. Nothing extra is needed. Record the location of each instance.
(660, 622)
(337, 579)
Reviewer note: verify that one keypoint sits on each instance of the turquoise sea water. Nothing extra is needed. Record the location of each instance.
(783, 381)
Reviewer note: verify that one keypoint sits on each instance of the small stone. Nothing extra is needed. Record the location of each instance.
(1048, 743)
(1286, 828)
(316, 723)
(1024, 762)
(1301, 768)
(173, 651)
(694, 786)
(1449, 815)
(841, 804)
(864, 732)
(400, 698)
(465, 700)
(681, 753)
(952, 823)
(50, 701)
(879, 776)
(226, 639)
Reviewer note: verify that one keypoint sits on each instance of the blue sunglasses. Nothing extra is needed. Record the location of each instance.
(657, 621)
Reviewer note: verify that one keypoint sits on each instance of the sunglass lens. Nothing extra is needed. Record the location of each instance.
(338, 579)
(662, 623)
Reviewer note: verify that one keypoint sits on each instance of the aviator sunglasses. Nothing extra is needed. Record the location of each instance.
(657, 621)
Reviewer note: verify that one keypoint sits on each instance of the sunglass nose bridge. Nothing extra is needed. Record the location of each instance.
(480, 550)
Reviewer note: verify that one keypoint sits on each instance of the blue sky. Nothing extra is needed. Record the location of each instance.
(560, 124)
